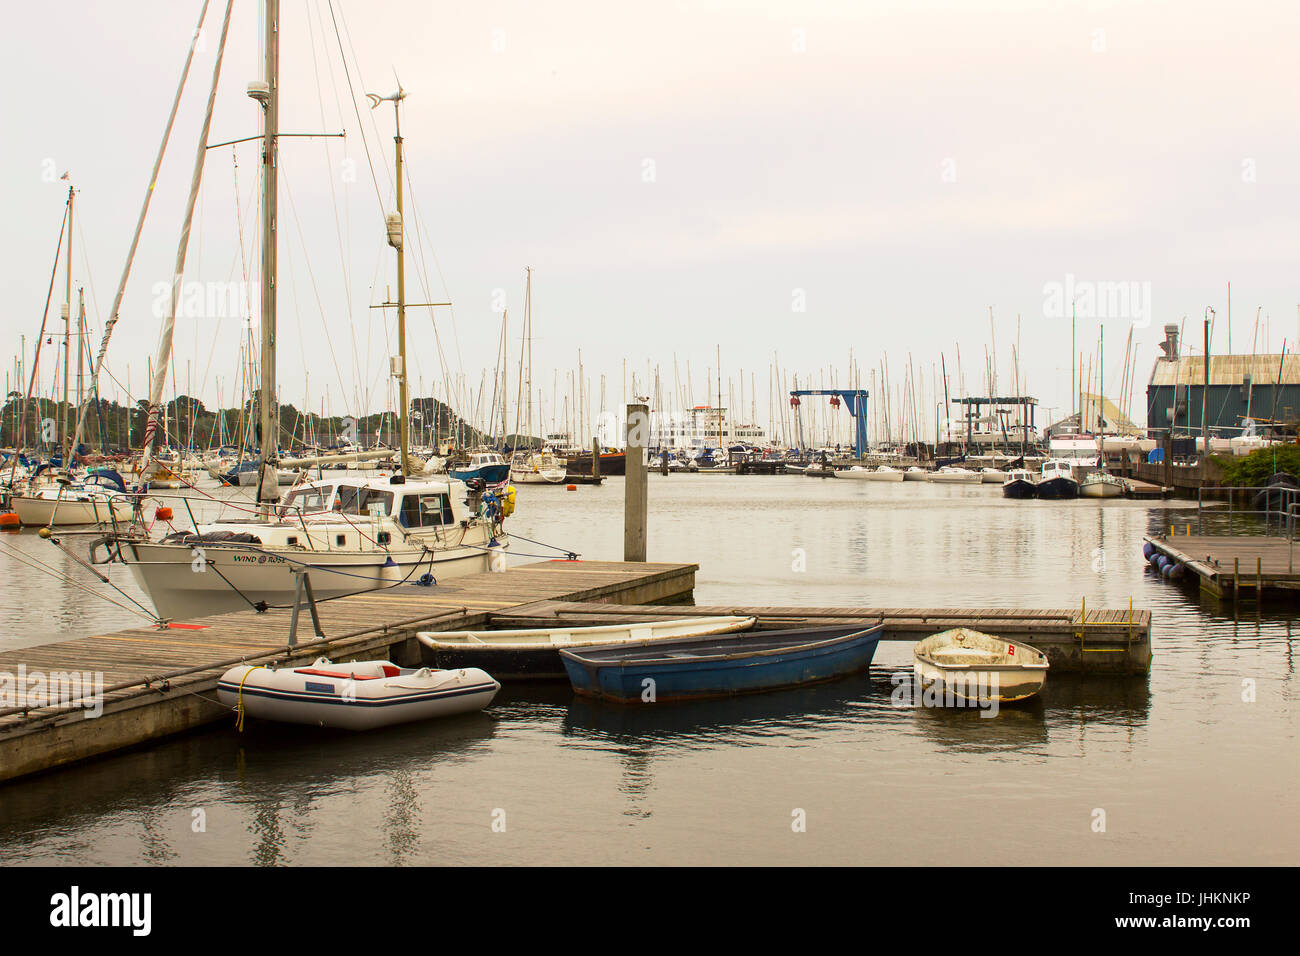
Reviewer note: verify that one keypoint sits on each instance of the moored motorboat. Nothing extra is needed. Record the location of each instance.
(1057, 481)
(992, 476)
(487, 466)
(916, 473)
(719, 666)
(358, 695)
(534, 653)
(1020, 483)
(1101, 484)
(970, 666)
(854, 472)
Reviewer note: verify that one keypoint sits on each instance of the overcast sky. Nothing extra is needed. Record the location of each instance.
(679, 176)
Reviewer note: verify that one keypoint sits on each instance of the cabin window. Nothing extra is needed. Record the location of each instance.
(347, 500)
(305, 501)
(370, 498)
(292, 540)
(385, 537)
(426, 511)
(341, 540)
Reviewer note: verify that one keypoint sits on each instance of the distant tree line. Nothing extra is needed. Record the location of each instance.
(111, 427)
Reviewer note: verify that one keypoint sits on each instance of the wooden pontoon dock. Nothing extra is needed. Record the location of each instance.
(1229, 566)
(160, 682)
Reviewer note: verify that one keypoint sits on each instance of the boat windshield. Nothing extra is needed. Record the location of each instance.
(354, 500)
(307, 501)
(426, 511)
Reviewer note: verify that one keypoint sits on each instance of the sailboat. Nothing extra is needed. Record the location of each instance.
(533, 467)
(51, 498)
(341, 535)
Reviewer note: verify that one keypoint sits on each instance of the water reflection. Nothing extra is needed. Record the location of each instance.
(734, 721)
(277, 775)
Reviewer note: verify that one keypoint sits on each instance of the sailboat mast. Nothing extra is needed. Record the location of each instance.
(268, 485)
(395, 239)
(65, 441)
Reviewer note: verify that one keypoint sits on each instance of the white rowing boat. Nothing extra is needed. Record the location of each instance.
(977, 667)
(535, 652)
(358, 695)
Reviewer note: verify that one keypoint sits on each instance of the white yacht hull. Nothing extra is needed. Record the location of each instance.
(38, 511)
(1100, 489)
(184, 584)
(545, 476)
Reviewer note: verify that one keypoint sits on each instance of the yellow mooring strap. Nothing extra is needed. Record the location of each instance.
(239, 700)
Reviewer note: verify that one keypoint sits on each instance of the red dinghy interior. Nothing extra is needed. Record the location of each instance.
(389, 670)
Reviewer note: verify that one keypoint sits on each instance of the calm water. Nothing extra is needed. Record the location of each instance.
(1185, 771)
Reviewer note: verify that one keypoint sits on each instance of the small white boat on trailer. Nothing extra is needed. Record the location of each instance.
(534, 653)
(357, 695)
(976, 667)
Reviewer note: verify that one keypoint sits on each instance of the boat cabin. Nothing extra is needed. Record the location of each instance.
(422, 504)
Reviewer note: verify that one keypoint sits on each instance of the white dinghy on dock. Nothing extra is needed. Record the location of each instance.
(358, 695)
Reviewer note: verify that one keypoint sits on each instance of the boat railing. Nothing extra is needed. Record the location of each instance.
(1280, 515)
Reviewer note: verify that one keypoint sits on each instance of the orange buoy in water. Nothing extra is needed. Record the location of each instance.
(569, 488)
(9, 520)
(164, 513)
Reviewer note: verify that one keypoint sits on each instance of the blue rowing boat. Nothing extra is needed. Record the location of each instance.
(720, 665)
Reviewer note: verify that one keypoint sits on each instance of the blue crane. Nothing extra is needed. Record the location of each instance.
(855, 400)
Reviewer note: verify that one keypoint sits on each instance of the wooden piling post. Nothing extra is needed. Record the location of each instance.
(595, 460)
(1236, 578)
(636, 486)
(1259, 579)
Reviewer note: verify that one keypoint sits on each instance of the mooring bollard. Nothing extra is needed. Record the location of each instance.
(635, 485)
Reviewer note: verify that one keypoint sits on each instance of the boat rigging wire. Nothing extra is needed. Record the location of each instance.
(38, 565)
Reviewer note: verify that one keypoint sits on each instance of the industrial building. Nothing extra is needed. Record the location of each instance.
(1248, 394)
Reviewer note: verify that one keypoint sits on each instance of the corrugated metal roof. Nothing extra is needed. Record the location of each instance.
(1227, 370)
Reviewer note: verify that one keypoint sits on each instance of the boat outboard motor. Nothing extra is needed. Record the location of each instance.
(475, 486)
